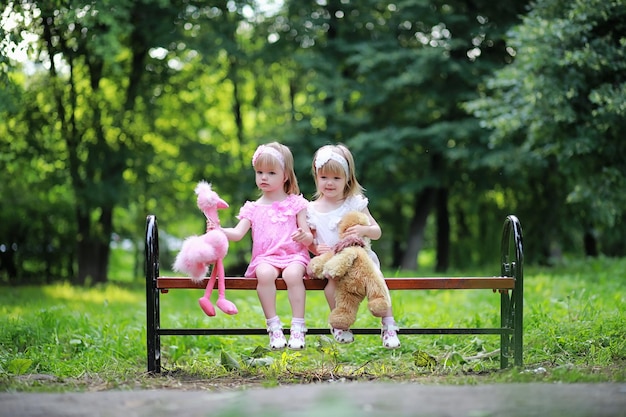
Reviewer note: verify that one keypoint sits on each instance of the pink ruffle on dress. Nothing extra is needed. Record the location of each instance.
(272, 227)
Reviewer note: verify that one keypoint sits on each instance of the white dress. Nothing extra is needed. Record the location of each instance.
(326, 225)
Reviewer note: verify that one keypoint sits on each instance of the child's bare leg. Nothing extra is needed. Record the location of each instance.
(266, 288)
(340, 335)
(294, 278)
(329, 293)
(389, 332)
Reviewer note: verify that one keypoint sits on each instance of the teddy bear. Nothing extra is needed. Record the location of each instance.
(356, 274)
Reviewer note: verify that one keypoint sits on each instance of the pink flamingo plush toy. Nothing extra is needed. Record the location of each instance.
(198, 252)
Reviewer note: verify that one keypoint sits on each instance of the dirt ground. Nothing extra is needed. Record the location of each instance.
(336, 399)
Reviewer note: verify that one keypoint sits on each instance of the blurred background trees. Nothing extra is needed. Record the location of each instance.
(458, 113)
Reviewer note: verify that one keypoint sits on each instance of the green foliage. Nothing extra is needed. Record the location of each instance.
(389, 88)
(574, 331)
(560, 104)
(145, 98)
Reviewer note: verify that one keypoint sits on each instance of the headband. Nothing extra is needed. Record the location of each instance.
(326, 154)
(270, 151)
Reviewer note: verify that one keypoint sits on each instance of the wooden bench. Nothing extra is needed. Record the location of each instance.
(509, 285)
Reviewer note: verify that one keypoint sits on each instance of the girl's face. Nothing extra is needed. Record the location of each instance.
(331, 186)
(269, 179)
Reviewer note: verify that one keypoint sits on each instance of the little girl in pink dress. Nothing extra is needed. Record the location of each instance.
(272, 229)
(280, 240)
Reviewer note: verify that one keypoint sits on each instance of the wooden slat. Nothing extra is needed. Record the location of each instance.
(451, 283)
(420, 283)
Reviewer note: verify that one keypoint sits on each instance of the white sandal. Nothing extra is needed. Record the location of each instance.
(277, 338)
(342, 336)
(296, 337)
(389, 334)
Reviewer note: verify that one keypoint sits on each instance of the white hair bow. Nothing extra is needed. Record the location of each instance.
(326, 154)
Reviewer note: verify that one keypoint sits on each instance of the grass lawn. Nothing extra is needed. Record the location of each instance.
(59, 337)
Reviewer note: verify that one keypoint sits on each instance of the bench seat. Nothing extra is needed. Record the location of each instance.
(403, 283)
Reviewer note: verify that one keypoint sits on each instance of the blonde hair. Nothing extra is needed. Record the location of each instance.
(265, 160)
(334, 168)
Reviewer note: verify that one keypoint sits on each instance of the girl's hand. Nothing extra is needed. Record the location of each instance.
(322, 248)
(306, 238)
(358, 230)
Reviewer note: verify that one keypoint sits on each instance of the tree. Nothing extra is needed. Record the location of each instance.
(93, 105)
(134, 102)
(388, 80)
(560, 107)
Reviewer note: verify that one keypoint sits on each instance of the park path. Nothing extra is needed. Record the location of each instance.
(363, 399)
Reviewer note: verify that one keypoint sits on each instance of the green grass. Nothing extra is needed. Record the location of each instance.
(59, 337)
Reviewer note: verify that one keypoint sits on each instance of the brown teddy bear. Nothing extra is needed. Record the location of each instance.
(357, 276)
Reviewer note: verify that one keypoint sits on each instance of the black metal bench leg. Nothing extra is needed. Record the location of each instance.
(518, 321)
(153, 339)
(512, 264)
(518, 293)
(505, 338)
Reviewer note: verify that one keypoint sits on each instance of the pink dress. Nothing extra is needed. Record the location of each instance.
(272, 226)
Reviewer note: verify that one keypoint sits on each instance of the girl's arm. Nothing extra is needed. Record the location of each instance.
(373, 231)
(317, 248)
(313, 246)
(303, 234)
(239, 231)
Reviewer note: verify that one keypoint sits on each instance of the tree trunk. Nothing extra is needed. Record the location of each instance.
(590, 243)
(443, 231)
(92, 255)
(7, 263)
(423, 204)
(93, 248)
